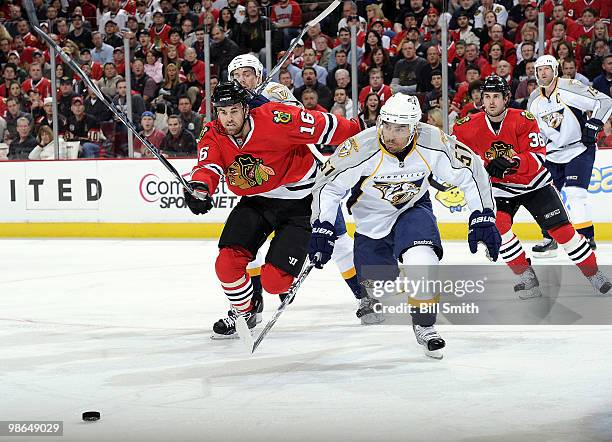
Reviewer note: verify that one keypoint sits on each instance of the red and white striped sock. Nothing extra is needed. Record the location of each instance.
(513, 254)
(239, 293)
(577, 248)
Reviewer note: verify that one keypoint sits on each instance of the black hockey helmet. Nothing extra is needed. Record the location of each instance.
(228, 93)
(495, 83)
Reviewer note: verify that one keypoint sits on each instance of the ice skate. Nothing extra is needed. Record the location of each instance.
(600, 282)
(225, 328)
(545, 249)
(592, 243)
(257, 301)
(369, 311)
(430, 340)
(528, 286)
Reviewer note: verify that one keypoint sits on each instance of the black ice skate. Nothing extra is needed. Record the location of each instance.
(430, 340)
(545, 249)
(528, 286)
(600, 283)
(226, 328)
(369, 311)
(257, 301)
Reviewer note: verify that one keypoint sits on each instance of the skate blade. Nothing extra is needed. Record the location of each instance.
(547, 254)
(219, 337)
(434, 354)
(529, 294)
(372, 319)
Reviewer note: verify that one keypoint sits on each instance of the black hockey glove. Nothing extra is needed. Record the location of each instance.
(322, 241)
(198, 206)
(501, 166)
(589, 132)
(482, 229)
(257, 100)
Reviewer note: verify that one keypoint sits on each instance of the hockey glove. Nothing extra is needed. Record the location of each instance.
(322, 241)
(589, 132)
(257, 100)
(501, 166)
(482, 229)
(198, 206)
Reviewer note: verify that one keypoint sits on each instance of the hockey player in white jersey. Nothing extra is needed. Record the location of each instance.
(387, 168)
(561, 107)
(248, 71)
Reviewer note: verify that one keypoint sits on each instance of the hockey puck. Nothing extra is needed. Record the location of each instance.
(91, 415)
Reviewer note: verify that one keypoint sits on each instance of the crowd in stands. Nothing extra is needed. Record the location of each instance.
(398, 50)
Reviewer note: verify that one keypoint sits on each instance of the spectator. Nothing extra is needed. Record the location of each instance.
(79, 33)
(603, 82)
(464, 30)
(96, 68)
(568, 69)
(475, 102)
(559, 16)
(115, 14)
(120, 101)
(14, 113)
(47, 118)
(66, 94)
(496, 33)
(93, 106)
(160, 31)
(434, 117)
(252, 32)
(466, 8)
(150, 132)
(9, 75)
(310, 98)
(111, 37)
(559, 35)
(369, 114)
(178, 142)
(593, 61)
(45, 147)
(522, 99)
(342, 99)
(142, 83)
(16, 92)
(349, 8)
(517, 14)
(143, 15)
(228, 23)
(433, 64)
(24, 142)
(37, 81)
(154, 67)
(528, 28)
(343, 80)
(373, 41)
(341, 63)
(84, 128)
(222, 51)
(310, 61)
(284, 78)
(344, 39)
(377, 86)
(417, 7)
(380, 60)
(504, 70)
(494, 55)
(527, 54)
(101, 53)
(287, 16)
(501, 14)
(238, 11)
(208, 8)
(433, 97)
(323, 51)
(108, 83)
(190, 120)
(462, 96)
(309, 78)
(314, 32)
(407, 69)
(184, 13)
(35, 104)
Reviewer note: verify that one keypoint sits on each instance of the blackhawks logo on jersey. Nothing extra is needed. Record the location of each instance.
(460, 121)
(246, 172)
(499, 149)
(281, 117)
(398, 193)
(528, 115)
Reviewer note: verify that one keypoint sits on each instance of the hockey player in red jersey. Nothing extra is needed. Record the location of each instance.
(509, 142)
(263, 155)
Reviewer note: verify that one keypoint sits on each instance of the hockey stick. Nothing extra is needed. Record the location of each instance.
(29, 7)
(290, 49)
(242, 328)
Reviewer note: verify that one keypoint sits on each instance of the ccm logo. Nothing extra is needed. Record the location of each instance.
(553, 213)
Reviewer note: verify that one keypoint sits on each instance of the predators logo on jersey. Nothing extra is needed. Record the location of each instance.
(398, 193)
(554, 119)
(347, 147)
(452, 198)
(499, 149)
(246, 172)
(281, 117)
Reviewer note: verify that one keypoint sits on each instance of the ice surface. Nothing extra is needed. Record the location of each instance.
(123, 327)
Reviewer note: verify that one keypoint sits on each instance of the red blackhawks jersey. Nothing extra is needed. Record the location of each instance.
(518, 136)
(273, 159)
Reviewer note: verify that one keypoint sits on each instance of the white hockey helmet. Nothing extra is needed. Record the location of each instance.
(401, 109)
(246, 61)
(546, 60)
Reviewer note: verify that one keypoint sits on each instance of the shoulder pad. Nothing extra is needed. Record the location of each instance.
(460, 121)
(528, 115)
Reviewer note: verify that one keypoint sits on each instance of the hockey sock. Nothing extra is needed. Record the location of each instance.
(423, 306)
(355, 287)
(587, 231)
(577, 248)
(513, 254)
(235, 281)
(578, 202)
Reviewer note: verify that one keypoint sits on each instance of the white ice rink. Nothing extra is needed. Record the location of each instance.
(123, 327)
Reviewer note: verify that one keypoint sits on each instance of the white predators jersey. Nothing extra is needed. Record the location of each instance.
(280, 93)
(383, 187)
(562, 116)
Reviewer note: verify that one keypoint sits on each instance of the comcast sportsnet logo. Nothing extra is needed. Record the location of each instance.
(165, 193)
